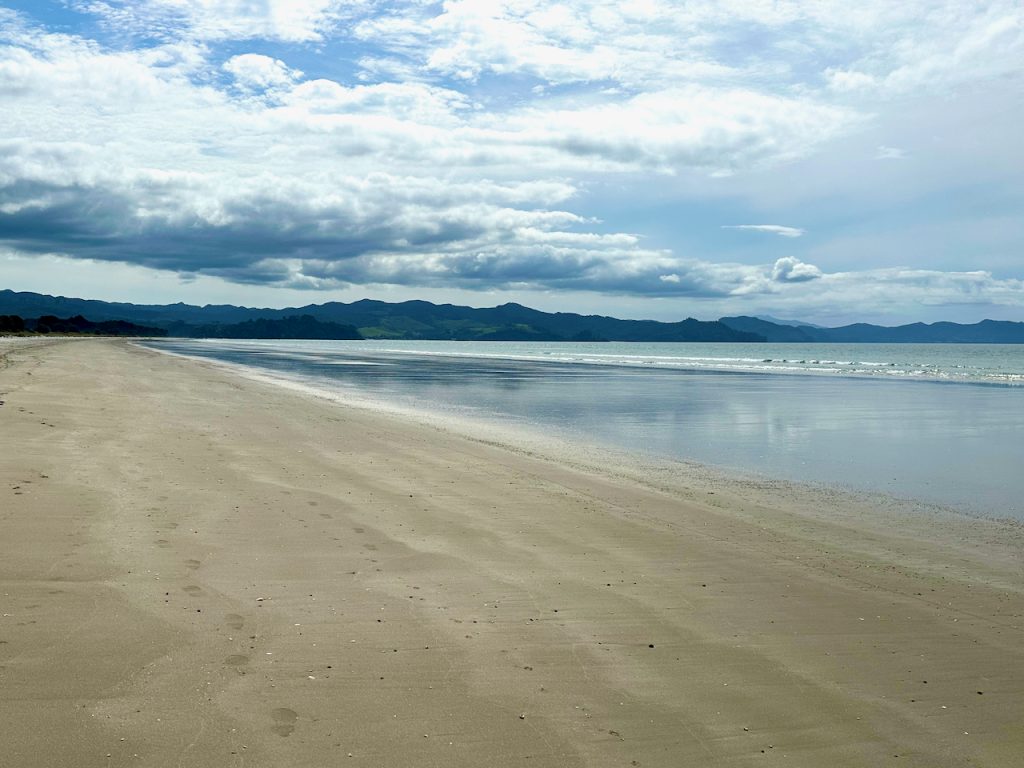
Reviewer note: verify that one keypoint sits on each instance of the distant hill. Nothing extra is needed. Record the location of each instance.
(985, 332)
(28, 304)
(378, 319)
(508, 322)
(771, 331)
(797, 323)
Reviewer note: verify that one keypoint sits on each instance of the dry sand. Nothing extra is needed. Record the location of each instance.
(200, 570)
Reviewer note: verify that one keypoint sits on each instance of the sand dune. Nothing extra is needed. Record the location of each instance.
(200, 570)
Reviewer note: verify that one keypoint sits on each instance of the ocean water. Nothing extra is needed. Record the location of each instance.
(941, 424)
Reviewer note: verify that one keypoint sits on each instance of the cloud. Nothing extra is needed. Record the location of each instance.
(846, 81)
(886, 291)
(569, 42)
(134, 156)
(254, 71)
(791, 270)
(873, 47)
(890, 153)
(909, 47)
(775, 229)
(720, 131)
(890, 296)
(293, 21)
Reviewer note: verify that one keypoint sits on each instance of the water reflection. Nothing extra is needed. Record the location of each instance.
(958, 445)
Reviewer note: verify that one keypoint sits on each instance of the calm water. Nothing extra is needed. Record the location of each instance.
(936, 423)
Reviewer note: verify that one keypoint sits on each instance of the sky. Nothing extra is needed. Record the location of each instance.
(825, 161)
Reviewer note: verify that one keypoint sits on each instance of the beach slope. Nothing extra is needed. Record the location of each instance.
(201, 570)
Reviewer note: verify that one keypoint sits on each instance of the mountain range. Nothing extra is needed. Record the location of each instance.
(984, 332)
(508, 322)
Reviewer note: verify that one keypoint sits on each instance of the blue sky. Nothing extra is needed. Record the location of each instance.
(821, 160)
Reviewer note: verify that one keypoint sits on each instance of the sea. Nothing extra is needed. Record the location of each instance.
(935, 424)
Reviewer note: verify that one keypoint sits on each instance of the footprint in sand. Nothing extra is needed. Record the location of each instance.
(234, 621)
(284, 721)
(193, 564)
(326, 515)
(192, 589)
(371, 547)
(236, 660)
(163, 543)
(359, 530)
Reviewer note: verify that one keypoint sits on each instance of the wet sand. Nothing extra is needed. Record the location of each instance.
(201, 570)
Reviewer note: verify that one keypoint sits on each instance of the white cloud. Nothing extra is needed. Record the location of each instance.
(567, 42)
(326, 104)
(909, 47)
(790, 269)
(775, 229)
(720, 131)
(255, 71)
(879, 292)
(890, 153)
(287, 20)
(871, 46)
(132, 160)
(850, 81)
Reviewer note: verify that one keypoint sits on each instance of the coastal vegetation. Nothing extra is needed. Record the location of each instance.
(73, 326)
(293, 327)
(301, 327)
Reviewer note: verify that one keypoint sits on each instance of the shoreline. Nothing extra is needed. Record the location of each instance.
(553, 352)
(977, 535)
(590, 454)
(284, 581)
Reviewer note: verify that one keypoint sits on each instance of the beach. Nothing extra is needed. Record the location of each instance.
(199, 569)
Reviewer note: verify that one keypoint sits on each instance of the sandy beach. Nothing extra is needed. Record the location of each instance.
(197, 569)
